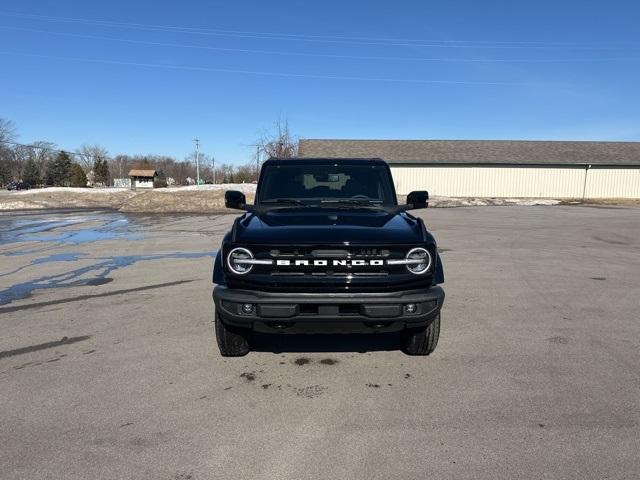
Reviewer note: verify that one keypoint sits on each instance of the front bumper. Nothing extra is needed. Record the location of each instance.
(339, 312)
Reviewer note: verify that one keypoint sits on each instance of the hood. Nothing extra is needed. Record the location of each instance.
(327, 226)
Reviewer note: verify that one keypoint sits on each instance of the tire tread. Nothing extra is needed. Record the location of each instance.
(232, 341)
(422, 341)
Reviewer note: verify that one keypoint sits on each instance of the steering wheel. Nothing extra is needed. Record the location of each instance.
(360, 197)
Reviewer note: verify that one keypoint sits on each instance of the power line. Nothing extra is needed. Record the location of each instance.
(611, 45)
(196, 68)
(314, 55)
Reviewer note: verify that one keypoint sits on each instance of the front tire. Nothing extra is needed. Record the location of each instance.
(232, 341)
(421, 341)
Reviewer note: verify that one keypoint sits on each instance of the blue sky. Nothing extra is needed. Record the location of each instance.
(149, 76)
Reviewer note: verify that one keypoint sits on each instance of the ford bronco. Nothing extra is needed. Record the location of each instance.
(326, 247)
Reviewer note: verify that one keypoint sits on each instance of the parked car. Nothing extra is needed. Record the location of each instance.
(18, 186)
(326, 247)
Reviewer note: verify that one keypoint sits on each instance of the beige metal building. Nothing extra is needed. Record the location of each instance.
(498, 168)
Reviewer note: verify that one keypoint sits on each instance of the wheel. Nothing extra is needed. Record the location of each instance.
(421, 341)
(232, 341)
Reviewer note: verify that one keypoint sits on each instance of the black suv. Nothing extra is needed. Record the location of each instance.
(18, 186)
(326, 247)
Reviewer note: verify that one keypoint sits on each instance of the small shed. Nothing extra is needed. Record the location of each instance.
(142, 177)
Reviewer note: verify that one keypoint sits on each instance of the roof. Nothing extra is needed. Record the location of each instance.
(520, 152)
(142, 172)
(320, 160)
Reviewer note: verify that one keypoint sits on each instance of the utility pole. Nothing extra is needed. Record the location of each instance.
(197, 160)
(213, 168)
(257, 162)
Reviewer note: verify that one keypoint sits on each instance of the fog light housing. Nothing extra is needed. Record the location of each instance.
(411, 308)
(247, 308)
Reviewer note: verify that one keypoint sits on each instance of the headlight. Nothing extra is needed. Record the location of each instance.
(239, 261)
(418, 260)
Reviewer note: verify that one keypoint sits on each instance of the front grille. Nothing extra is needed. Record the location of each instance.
(325, 262)
(313, 268)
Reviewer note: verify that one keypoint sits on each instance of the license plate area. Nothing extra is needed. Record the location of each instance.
(324, 310)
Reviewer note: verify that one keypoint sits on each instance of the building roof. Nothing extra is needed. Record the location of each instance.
(142, 172)
(321, 160)
(508, 152)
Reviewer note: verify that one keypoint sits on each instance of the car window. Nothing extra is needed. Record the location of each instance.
(326, 182)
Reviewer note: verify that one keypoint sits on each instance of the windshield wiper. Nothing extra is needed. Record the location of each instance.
(290, 201)
(351, 201)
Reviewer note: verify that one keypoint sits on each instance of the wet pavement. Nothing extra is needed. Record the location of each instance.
(42, 239)
(71, 228)
(109, 368)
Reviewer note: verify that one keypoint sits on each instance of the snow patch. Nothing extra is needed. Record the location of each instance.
(242, 187)
(484, 202)
(18, 205)
(72, 190)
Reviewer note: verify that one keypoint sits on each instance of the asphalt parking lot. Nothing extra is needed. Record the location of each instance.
(109, 368)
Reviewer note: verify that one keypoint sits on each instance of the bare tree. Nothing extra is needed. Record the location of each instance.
(205, 161)
(35, 159)
(225, 173)
(88, 154)
(279, 142)
(7, 130)
(245, 173)
(120, 166)
(9, 166)
(39, 153)
(42, 151)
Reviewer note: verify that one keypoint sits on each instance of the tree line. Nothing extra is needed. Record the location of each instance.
(42, 163)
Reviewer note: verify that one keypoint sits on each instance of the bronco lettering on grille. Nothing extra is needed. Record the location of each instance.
(325, 263)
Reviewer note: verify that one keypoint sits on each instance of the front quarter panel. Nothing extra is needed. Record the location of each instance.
(218, 277)
(438, 275)
(218, 273)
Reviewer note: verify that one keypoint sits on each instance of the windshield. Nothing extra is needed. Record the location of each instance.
(330, 183)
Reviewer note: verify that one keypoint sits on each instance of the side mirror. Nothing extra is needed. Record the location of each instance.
(418, 199)
(234, 199)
